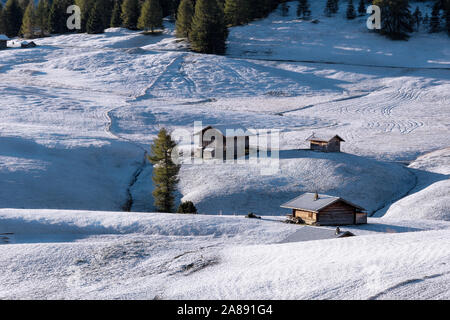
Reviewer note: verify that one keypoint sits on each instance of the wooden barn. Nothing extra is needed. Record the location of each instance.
(3, 41)
(325, 143)
(222, 142)
(324, 210)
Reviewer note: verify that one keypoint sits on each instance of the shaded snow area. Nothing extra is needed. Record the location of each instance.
(78, 114)
(98, 255)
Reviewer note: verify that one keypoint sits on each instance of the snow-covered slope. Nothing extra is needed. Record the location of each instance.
(79, 111)
(431, 197)
(108, 255)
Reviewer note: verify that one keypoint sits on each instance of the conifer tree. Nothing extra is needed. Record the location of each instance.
(426, 20)
(95, 23)
(28, 22)
(237, 12)
(187, 207)
(165, 171)
(396, 18)
(362, 8)
(42, 15)
(151, 16)
(435, 20)
(417, 15)
(2, 24)
(303, 9)
(116, 20)
(351, 14)
(184, 18)
(335, 7)
(329, 8)
(130, 14)
(58, 17)
(209, 32)
(12, 18)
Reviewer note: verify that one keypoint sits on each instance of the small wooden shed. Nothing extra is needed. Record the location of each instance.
(325, 143)
(226, 142)
(3, 41)
(324, 210)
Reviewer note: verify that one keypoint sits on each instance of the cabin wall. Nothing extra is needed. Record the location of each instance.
(361, 218)
(307, 216)
(319, 146)
(334, 145)
(337, 214)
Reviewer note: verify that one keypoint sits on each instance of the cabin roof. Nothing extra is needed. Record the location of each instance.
(227, 127)
(3, 37)
(307, 202)
(324, 138)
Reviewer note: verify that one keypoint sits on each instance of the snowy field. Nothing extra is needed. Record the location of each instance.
(79, 112)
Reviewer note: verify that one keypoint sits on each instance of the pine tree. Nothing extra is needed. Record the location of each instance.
(417, 17)
(28, 22)
(95, 23)
(426, 20)
(303, 9)
(447, 16)
(165, 172)
(236, 12)
(184, 18)
(58, 17)
(187, 207)
(396, 18)
(151, 16)
(12, 18)
(435, 20)
(116, 20)
(362, 7)
(329, 8)
(42, 15)
(335, 7)
(209, 32)
(130, 14)
(2, 20)
(351, 14)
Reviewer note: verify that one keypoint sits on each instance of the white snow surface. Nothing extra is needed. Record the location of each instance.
(108, 255)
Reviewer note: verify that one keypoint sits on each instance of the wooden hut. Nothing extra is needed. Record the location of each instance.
(3, 41)
(325, 210)
(325, 143)
(222, 142)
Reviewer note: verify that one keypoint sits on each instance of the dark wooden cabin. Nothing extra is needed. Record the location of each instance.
(3, 41)
(324, 210)
(325, 143)
(225, 142)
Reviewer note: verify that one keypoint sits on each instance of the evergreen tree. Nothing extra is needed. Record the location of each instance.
(351, 14)
(284, 9)
(396, 18)
(116, 20)
(209, 32)
(2, 20)
(303, 9)
(130, 14)
(187, 207)
(417, 15)
(28, 22)
(42, 17)
(184, 18)
(335, 7)
(12, 18)
(426, 20)
(435, 20)
(165, 172)
(237, 12)
(329, 8)
(58, 17)
(362, 7)
(95, 23)
(447, 16)
(151, 16)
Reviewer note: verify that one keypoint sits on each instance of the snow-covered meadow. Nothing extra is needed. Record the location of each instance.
(79, 111)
